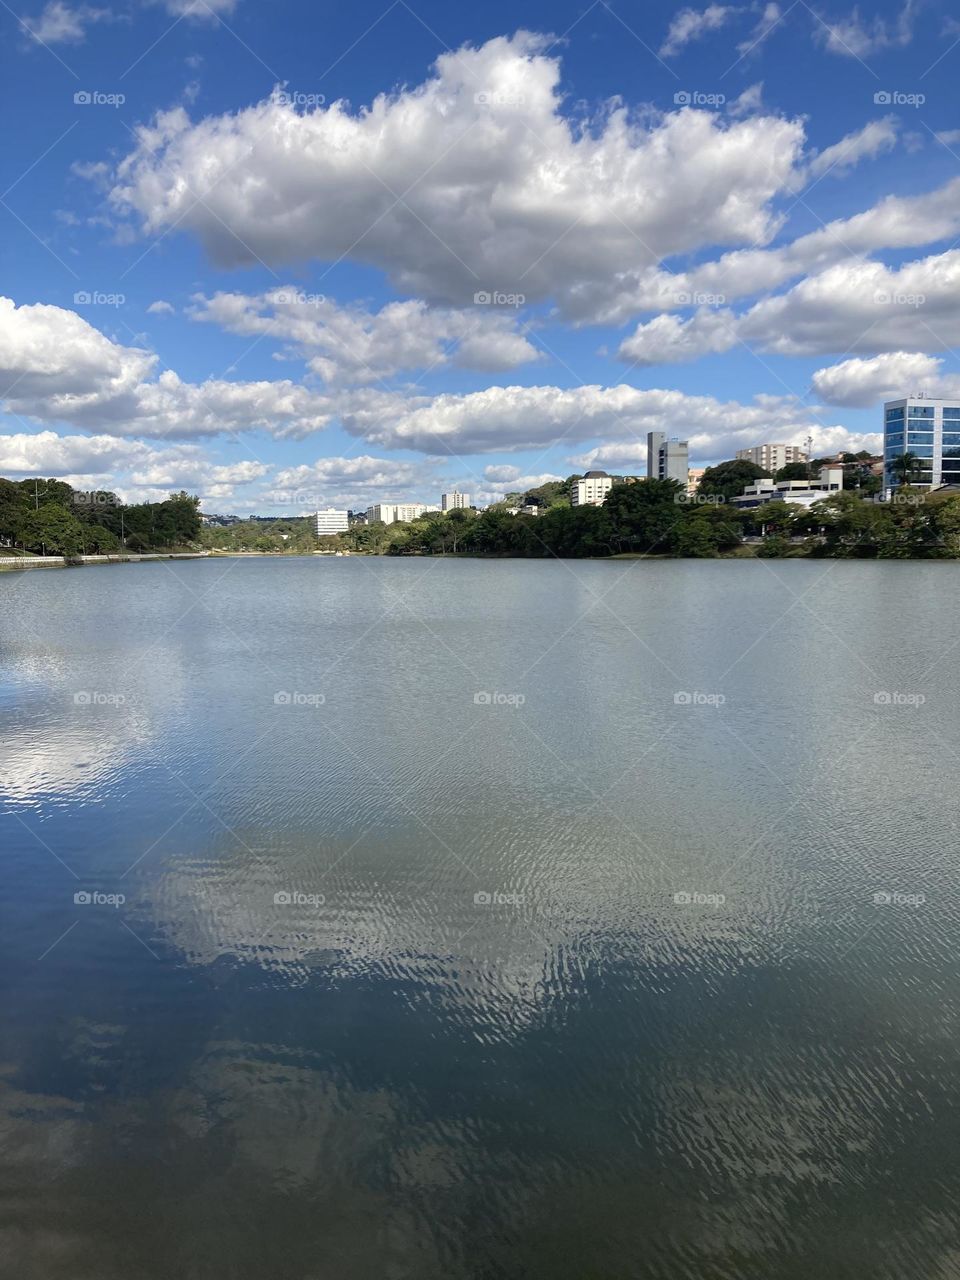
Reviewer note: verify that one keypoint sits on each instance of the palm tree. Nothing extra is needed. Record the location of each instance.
(906, 467)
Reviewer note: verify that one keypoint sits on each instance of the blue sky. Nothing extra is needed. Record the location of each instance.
(310, 254)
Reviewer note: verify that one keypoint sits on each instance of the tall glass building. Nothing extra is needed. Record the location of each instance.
(930, 430)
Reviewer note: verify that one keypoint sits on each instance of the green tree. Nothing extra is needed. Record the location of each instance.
(906, 467)
(729, 479)
(51, 529)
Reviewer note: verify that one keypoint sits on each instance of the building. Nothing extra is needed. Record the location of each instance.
(592, 490)
(771, 457)
(454, 501)
(392, 512)
(694, 476)
(930, 430)
(667, 459)
(803, 492)
(330, 521)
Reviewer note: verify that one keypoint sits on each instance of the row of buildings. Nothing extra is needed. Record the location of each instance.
(334, 520)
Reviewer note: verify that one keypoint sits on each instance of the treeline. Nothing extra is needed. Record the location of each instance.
(652, 516)
(656, 517)
(295, 535)
(50, 517)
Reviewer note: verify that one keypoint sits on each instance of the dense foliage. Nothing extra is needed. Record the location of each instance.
(50, 517)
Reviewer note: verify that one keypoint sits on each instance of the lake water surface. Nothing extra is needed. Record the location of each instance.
(473, 919)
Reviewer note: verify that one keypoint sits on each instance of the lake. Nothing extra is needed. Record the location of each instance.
(467, 919)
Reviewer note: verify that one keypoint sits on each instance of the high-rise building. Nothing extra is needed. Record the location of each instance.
(929, 430)
(592, 490)
(330, 521)
(667, 459)
(454, 501)
(771, 457)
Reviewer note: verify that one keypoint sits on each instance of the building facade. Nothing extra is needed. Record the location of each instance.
(330, 521)
(454, 501)
(667, 459)
(930, 431)
(771, 457)
(392, 512)
(592, 490)
(802, 492)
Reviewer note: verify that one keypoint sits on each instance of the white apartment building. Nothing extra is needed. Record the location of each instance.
(771, 457)
(392, 512)
(454, 501)
(330, 521)
(592, 490)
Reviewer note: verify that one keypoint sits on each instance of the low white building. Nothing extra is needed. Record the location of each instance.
(454, 501)
(771, 457)
(392, 512)
(330, 521)
(803, 492)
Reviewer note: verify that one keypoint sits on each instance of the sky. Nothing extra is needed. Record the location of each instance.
(314, 254)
